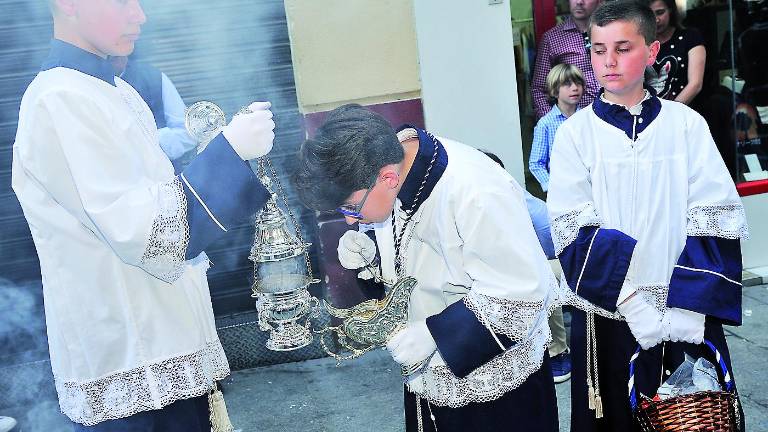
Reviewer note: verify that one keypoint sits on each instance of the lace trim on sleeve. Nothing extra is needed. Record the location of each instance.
(503, 373)
(167, 244)
(561, 295)
(565, 228)
(726, 221)
(512, 318)
(655, 295)
(150, 387)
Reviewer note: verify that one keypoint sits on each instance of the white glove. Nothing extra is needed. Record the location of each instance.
(644, 321)
(682, 325)
(356, 250)
(412, 344)
(252, 134)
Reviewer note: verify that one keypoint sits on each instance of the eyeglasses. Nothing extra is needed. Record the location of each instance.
(353, 210)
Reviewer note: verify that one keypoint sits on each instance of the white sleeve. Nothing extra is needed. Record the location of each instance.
(98, 177)
(714, 206)
(571, 207)
(502, 255)
(569, 199)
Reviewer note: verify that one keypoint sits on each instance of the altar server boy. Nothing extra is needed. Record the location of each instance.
(120, 238)
(647, 224)
(475, 346)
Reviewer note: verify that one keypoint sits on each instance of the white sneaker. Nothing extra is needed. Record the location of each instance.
(7, 423)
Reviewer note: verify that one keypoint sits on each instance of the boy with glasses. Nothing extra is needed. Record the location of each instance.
(444, 213)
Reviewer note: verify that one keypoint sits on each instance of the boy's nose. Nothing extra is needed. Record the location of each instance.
(350, 220)
(138, 14)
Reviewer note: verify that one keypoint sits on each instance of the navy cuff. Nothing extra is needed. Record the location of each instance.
(222, 191)
(707, 279)
(604, 255)
(463, 341)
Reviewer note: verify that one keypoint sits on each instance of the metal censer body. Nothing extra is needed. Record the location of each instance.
(283, 272)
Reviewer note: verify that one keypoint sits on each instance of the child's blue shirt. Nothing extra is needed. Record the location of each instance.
(543, 137)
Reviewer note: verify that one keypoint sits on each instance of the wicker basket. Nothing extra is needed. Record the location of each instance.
(706, 411)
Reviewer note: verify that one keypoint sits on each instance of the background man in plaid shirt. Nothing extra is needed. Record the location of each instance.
(567, 42)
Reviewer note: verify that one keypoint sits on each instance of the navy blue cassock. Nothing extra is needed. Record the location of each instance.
(615, 346)
(186, 415)
(532, 407)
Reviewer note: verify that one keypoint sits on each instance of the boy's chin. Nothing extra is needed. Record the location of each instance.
(122, 49)
(618, 88)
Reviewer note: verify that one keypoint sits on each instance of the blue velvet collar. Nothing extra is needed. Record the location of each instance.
(620, 117)
(418, 170)
(66, 55)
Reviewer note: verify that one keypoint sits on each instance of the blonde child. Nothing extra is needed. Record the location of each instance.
(565, 84)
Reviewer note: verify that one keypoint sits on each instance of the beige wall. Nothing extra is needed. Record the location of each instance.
(753, 250)
(360, 51)
(467, 63)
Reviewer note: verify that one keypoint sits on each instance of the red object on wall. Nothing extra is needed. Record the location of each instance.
(408, 111)
(752, 187)
(543, 17)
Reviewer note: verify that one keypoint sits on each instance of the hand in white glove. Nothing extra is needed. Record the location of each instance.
(251, 135)
(682, 325)
(412, 344)
(357, 250)
(644, 321)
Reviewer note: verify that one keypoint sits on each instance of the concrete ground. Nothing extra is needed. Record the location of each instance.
(318, 396)
(366, 394)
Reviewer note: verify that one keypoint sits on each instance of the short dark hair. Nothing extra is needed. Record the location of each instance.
(626, 10)
(493, 157)
(344, 156)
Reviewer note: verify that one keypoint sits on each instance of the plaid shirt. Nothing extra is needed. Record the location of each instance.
(563, 43)
(541, 148)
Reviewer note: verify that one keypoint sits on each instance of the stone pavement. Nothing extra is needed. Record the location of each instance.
(366, 394)
(316, 395)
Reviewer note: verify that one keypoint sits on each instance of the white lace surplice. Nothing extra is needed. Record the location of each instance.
(130, 323)
(669, 184)
(473, 240)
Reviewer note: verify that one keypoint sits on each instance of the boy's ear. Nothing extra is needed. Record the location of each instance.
(653, 48)
(390, 176)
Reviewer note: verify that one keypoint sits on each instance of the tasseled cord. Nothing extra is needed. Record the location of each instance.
(218, 412)
(593, 387)
(419, 415)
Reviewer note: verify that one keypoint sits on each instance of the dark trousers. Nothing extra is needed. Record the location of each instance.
(187, 415)
(532, 407)
(615, 346)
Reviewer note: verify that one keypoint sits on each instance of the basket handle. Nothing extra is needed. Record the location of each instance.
(631, 384)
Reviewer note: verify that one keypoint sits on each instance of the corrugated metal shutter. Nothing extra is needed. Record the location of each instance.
(231, 52)
(25, 31)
